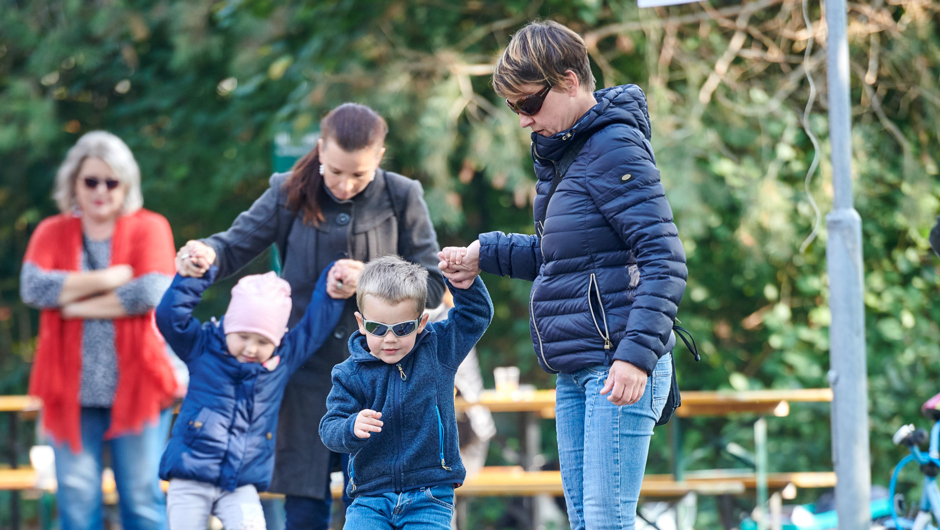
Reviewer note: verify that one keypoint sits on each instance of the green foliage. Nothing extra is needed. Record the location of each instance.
(197, 89)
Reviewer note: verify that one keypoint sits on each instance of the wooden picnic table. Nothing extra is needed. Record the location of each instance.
(20, 404)
(533, 404)
(694, 402)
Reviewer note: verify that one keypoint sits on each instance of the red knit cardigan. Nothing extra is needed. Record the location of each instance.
(146, 382)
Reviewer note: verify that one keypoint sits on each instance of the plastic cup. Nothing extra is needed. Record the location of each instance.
(507, 379)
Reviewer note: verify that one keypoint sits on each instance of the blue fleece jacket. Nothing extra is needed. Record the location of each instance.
(418, 443)
(225, 432)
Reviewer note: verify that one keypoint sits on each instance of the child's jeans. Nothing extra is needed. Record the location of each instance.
(420, 509)
(189, 504)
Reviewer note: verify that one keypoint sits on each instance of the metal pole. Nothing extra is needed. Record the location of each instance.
(760, 448)
(848, 374)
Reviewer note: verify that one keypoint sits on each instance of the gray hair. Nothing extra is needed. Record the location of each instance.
(393, 280)
(115, 153)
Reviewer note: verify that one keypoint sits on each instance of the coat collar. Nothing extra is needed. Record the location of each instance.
(625, 104)
(371, 204)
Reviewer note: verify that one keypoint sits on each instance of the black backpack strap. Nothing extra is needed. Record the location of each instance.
(689, 342)
(399, 214)
(561, 167)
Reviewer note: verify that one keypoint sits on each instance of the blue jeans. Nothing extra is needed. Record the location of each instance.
(307, 513)
(420, 509)
(135, 460)
(602, 448)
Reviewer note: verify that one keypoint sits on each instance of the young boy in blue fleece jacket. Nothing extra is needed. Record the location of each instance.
(392, 403)
(221, 451)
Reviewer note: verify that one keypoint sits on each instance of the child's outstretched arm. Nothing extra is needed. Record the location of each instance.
(175, 313)
(465, 323)
(346, 427)
(314, 328)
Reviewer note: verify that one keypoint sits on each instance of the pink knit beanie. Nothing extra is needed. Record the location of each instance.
(260, 304)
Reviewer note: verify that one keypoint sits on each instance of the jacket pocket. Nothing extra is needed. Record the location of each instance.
(207, 432)
(352, 475)
(535, 328)
(440, 432)
(598, 314)
(661, 384)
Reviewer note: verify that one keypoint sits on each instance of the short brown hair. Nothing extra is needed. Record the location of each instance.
(540, 54)
(393, 280)
(352, 127)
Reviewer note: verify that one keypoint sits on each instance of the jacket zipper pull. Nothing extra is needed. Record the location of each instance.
(607, 344)
(444, 465)
(402, 372)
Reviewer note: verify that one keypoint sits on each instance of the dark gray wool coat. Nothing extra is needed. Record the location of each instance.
(388, 217)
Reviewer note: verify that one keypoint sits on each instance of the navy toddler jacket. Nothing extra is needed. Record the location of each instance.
(418, 443)
(610, 270)
(224, 434)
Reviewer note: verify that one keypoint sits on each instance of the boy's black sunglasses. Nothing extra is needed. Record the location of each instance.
(529, 105)
(402, 329)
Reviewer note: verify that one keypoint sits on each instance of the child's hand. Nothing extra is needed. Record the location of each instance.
(460, 265)
(368, 421)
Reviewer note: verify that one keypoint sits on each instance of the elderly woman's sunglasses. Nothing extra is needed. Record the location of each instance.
(402, 329)
(92, 183)
(529, 105)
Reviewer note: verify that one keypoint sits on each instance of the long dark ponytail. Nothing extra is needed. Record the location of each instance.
(352, 127)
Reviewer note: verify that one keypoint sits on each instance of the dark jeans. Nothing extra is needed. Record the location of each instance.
(307, 513)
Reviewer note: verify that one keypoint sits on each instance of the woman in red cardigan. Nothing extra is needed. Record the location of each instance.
(96, 271)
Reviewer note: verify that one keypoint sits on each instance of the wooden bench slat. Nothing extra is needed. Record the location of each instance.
(514, 481)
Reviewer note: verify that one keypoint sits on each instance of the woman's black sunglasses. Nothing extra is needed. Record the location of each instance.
(529, 105)
(402, 329)
(93, 182)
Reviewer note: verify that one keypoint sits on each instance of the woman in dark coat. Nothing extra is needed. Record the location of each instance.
(335, 204)
(607, 267)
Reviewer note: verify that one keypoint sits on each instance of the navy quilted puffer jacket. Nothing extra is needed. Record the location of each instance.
(610, 270)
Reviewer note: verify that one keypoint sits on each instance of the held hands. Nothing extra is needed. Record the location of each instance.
(367, 421)
(460, 265)
(343, 278)
(625, 383)
(194, 259)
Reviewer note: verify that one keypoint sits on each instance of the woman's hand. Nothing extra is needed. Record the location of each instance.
(119, 275)
(367, 422)
(343, 278)
(194, 259)
(625, 383)
(460, 265)
(105, 306)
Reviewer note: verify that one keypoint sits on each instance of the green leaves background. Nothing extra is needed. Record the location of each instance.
(198, 88)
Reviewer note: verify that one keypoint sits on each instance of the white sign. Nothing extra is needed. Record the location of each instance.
(657, 3)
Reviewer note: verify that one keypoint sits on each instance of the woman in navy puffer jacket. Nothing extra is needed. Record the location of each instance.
(607, 265)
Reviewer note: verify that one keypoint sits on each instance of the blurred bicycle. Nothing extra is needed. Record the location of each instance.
(927, 516)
